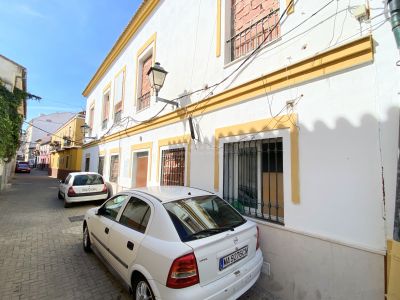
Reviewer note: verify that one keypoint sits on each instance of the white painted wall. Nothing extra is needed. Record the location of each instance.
(348, 130)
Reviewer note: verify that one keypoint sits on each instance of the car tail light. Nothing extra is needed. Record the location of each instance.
(258, 238)
(183, 272)
(71, 191)
(104, 189)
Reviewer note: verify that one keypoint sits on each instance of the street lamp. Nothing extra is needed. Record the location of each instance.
(85, 129)
(157, 76)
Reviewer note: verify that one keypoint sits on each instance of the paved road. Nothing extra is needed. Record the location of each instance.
(41, 255)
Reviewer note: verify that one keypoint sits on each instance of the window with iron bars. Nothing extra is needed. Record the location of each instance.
(173, 167)
(252, 23)
(253, 178)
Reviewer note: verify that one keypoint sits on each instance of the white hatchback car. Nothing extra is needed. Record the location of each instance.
(175, 243)
(82, 186)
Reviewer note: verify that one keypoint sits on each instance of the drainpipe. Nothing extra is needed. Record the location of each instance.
(394, 8)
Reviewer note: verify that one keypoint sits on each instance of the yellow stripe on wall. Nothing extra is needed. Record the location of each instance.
(355, 53)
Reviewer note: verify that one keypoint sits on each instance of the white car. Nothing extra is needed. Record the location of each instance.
(82, 186)
(175, 243)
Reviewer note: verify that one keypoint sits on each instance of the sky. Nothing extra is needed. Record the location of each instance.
(61, 43)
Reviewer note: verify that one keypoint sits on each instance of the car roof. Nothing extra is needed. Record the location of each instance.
(171, 193)
(83, 173)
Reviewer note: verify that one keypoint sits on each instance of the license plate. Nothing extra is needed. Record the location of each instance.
(232, 258)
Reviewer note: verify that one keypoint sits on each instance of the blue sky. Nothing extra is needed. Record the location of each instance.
(61, 43)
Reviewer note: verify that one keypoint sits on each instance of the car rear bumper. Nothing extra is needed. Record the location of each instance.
(86, 198)
(230, 286)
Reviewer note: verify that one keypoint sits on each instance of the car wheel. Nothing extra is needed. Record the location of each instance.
(142, 289)
(86, 239)
(59, 195)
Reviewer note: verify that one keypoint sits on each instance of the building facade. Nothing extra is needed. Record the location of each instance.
(65, 147)
(12, 76)
(289, 113)
(41, 128)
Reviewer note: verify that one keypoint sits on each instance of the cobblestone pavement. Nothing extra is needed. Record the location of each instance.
(41, 255)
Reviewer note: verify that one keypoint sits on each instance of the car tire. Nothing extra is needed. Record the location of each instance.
(141, 289)
(86, 239)
(60, 196)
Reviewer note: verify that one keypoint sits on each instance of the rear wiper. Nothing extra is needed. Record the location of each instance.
(212, 230)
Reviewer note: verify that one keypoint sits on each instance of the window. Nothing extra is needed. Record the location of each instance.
(111, 208)
(253, 178)
(118, 95)
(90, 179)
(106, 108)
(136, 215)
(114, 168)
(91, 119)
(87, 164)
(143, 100)
(101, 165)
(252, 23)
(173, 167)
(202, 216)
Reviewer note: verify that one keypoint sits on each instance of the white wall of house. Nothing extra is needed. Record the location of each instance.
(333, 243)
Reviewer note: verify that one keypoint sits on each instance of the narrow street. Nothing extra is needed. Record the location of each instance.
(41, 255)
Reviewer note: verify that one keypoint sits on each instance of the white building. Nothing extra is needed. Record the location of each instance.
(300, 136)
(41, 128)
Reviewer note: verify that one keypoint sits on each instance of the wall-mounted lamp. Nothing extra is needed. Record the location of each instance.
(85, 129)
(157, 76)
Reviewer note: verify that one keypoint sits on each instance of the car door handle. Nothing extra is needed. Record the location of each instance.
(106, 230)
(129, 245)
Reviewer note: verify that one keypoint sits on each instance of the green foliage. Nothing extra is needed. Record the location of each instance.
(11, 120)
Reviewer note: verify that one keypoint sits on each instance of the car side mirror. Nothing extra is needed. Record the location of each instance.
(99, 211)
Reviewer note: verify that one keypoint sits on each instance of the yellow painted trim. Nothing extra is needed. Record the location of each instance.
(151, 40)
(114, 150)
(141, 15)
(143, 146)
(281, 122)
(291, 7)
(218, 41)
(107, 88)
(335, 60)
(393, 270)
(183, 139)
(123, 87)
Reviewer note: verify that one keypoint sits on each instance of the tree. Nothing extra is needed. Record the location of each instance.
(11, 120)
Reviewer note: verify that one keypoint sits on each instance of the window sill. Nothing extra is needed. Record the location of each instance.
(234, 62)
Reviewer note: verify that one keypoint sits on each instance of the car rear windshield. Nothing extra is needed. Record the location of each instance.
(23, 165)
(202, 216)
(89, 179)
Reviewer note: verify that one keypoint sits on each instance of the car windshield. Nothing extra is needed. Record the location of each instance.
(23, 165)
(88, 179)
(202, 216)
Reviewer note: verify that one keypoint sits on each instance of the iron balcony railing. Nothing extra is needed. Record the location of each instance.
(264, 31)
(143, 101)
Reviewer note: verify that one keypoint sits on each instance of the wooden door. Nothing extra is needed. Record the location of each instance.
(142, 159)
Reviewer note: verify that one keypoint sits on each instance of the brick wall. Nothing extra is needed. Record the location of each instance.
(247, 14)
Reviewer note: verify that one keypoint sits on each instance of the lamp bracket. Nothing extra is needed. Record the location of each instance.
(167, 101)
